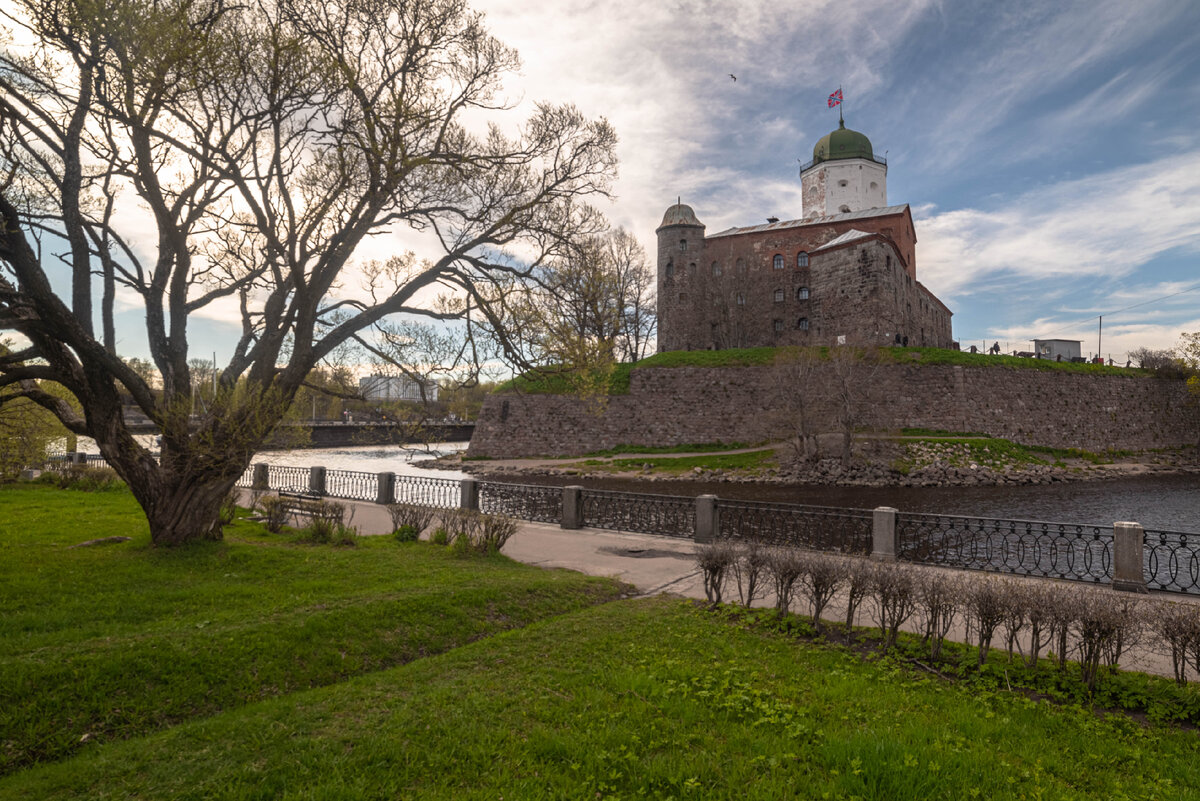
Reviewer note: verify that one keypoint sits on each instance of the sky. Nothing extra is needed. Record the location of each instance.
(1050, 151)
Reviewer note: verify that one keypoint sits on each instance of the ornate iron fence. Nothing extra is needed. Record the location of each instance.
(353, 485)
(1172, 561)
(824, 528)
(1024, 547)
(440, 493)
(522, 501)
(280, 477)
(669, 515)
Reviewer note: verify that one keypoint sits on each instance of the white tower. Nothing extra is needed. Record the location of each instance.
(845, 175)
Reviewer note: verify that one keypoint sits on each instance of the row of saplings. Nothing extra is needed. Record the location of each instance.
(463, 531)
(1094, 625)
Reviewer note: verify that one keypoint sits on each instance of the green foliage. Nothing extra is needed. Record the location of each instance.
(967, 359)
(440, 536)
(406, 534)
(703, 447)
(750, 460)
(274, 513)
(114, 642)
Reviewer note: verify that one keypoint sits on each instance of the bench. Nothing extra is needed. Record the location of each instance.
(301, 503)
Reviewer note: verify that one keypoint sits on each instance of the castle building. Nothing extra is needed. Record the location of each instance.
(844, 272)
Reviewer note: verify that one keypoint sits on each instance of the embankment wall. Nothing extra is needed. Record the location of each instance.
(685, 405)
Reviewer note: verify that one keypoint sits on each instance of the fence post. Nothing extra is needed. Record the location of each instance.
(1128, 545)
(316, 480)
(883, 534)
(572, 507)
(708, 526)
(469, 495)
(387, 488)
(262, 477)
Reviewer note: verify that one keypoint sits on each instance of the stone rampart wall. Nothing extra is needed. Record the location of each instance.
(685, 405)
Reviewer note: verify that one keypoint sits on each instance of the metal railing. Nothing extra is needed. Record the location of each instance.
(823, 528)
(280, 477)
(1023, 547)
(439, 493)
(668, 515)
(523, 501)
(1172, 561)
(352, 485)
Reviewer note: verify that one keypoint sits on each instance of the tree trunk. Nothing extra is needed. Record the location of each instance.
(186, 510)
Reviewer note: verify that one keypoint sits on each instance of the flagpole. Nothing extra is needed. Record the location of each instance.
(841, 105)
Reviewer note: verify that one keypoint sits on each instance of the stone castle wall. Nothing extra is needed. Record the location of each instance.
(685, 405)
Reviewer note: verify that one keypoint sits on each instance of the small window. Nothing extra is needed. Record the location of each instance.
(843, 183)
(779, 296)
(802, 259)
(778, 262)
(716, 269)
(682, 296)
(844, 209)
(714, 329)
(740, 266)
(670, 270)
(802, 293)
(874, 186)
(802, 323)
(683, 245)
(741, 299)
(692, 270)
(778, 326)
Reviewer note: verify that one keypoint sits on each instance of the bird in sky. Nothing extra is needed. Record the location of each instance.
(731, 75)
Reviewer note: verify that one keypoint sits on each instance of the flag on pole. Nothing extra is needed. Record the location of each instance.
(835, 99)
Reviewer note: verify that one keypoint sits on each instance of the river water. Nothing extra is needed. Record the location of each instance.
(1156, 501)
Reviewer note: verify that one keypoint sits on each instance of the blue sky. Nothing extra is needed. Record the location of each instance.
(1050, 151)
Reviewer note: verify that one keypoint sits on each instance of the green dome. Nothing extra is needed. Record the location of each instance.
(842, 144)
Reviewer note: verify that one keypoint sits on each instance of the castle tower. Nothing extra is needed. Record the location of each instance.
(844, 175)
(680, 250)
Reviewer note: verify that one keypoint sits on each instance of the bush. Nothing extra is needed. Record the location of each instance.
(749, 569)
(472, 532)
(406, 534)
(410, 516)
(85, 478)
(274, 513)
(822, 577)
(328, 524)
(939, 599)
(784, 566)
(494, 531)
(440, 536)
(715, 560)
(893, 597)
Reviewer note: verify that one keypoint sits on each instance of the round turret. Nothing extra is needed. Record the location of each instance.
(842, 144)
(679, 214)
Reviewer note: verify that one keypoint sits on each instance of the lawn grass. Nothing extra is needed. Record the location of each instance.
(653, 698)
(998, 454)
(750, 460)
(698, 447)
(117, 640)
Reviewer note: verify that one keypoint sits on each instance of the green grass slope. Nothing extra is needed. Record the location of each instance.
(117, 640)
(634, 699)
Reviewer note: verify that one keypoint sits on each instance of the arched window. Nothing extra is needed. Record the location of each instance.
(802, 259)
(778, 326)
(683, 245)
(779, 296)
(801, 293)
(802, 323)
(844, 209)
(716, 269)
(778, 261)
(741, 299)
(670, 270)
(740, 265)
(843, 183)
(692, 270)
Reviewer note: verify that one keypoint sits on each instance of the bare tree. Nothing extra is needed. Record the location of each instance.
(850, 369)
(793, 380)
(262, 142)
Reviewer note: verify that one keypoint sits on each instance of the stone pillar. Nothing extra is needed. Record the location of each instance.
(708, 526)
(262, 478)
(572, 507)
(387, 488)
(1128, 568)
(883, 534)
(469, 495)
(316, 480)
(78, 458)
